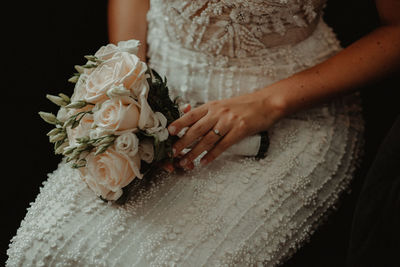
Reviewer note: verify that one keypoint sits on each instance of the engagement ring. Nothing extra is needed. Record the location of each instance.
(217, 132)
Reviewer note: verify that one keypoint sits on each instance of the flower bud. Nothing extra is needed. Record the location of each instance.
(74, 155)
(65, 97)
(79, 163)
(59, 101)
(77, 104)
(74, 79)
(48, 117)
(60, 149)
(69, 150)
(54, 131)
(82, 140)
(91, 58)
(69, 122)
(58, 137)
(82, 147)
(101, 149)
(89, 66)
(79, 69)
(106, 141)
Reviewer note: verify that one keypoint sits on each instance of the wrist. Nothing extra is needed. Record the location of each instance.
(274, 103)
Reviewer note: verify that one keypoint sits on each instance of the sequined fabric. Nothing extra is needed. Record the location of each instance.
(237, 211)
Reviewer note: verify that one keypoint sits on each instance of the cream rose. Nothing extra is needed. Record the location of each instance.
(118, 115)
(107, 52)
(127, 143)
(123, 68)
(130, 46)
(107, 173)
(80, 89)
(159, 127)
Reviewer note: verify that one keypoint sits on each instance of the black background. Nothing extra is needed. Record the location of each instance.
(43, 40)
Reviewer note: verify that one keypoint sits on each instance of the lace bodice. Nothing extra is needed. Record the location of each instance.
(237, 28)
(211, 49)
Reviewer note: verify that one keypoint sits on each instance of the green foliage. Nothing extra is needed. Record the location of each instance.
(159, 100)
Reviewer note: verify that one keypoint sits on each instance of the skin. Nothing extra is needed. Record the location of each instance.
(368, 59)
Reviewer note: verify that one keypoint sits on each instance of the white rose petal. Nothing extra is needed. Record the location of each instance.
(63, 114)
(159, 127)
(127, 143)
(122, 69)
(107, 173)
(146, 150)
(79, 90)
(130, 46)
(106, 52)
(117, 91)
(162, 135)
(118, 115)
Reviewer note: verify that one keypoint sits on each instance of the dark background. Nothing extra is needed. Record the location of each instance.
(45, 39)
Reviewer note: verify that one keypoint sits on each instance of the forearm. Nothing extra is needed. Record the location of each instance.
(364, 61)
(127, 20)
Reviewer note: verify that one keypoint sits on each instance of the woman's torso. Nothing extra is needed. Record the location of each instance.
(217, 49)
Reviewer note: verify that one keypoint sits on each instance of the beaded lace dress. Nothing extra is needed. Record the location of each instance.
(237, 211)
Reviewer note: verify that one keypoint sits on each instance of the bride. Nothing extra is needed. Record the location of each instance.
(245, 67)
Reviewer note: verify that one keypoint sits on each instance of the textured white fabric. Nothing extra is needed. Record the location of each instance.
(237, 211)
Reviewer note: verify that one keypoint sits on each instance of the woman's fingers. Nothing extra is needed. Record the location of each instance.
(229, 139)
(187, 119)
(205, 144)
(196, 131)
(187, 108)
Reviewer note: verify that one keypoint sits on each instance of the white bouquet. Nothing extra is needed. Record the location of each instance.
(113, 127)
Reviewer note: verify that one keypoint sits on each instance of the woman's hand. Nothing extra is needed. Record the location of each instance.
(217, 125)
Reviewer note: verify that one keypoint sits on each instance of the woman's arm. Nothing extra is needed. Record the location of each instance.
(127, 20)
(367, 59)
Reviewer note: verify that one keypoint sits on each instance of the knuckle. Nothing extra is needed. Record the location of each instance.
(208, 141)
(242, 124)
(196, 129)
(224, 110)
(233, 117)
(190, 115)
(223, 146)
(213, 103)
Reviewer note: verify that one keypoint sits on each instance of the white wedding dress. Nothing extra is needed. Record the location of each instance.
(237, 211)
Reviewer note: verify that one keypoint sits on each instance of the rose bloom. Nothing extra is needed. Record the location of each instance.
(118, 114)
(79, 89)
(106, 52)
(122, 69)
(107, 173)
(127, 143)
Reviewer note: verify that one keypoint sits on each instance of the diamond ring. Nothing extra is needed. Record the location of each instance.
(217, 132)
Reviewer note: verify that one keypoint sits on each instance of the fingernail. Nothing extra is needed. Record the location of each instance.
(187, 108)
(169, 168)
(171, 129)
(183, 162)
